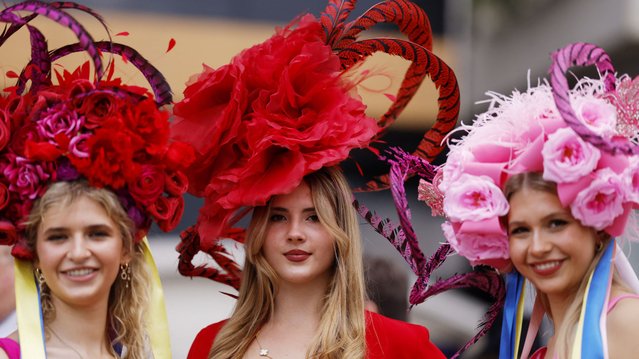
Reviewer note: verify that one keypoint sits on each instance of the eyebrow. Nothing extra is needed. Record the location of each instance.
(282, 209)
(64, 229)
(545, 218)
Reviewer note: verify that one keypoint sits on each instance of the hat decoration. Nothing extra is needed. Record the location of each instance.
(287, 107)
(104, 131)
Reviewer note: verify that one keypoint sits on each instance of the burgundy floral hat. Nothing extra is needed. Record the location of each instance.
(111, 134)
(286, 107)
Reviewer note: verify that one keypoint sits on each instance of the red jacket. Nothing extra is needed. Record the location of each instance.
(385, 338)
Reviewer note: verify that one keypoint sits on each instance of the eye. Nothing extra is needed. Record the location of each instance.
(99, 234)
(519, 230)
(56, 237)
(557, 223)
(277, 218)
(313, 218)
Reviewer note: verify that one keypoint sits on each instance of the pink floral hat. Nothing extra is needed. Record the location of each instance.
(582, 139)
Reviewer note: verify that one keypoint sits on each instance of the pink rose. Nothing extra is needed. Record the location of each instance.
(474, 198)
(631, 179)
(567, 157)
(600, 203)
(596, 113)
(27, 178)
(454, 167)
(57, 120)
(475, 246)
(78, 146)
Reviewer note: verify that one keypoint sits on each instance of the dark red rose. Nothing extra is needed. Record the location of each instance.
(175, 183)
(150, 124)
(5, 130)
(148, 186)
(4, 196)
(8, 234)
(167, 211)
(98, 106)
(110, 158)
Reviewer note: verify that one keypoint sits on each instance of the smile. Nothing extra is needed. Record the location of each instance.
(80, 274)
(546, 268)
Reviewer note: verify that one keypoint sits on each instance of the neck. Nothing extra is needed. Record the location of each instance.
(558, 308)
(297, 304)
(93, 321)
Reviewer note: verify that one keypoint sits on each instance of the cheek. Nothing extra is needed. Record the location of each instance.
(517, 251)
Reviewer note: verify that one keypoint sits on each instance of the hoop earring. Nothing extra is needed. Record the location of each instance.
(125, 274)
(599, 247)
(40, 277)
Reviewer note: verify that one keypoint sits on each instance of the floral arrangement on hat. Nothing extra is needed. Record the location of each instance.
(104, 131)
(532, 132)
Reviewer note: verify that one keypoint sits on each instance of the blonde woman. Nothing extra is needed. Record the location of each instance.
(542, 184)
(91, 273)
(302, 292)
(86, 166)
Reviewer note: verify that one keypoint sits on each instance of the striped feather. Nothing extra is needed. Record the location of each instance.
(410, 18)
(64, 19)
(424, 63)
(584, 54)
(334, 17)
(158, 82)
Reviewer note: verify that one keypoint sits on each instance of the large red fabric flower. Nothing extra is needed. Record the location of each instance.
(278, 112)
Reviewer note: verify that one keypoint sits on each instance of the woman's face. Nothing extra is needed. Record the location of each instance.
(297, 245)
(548, 245)
(79, 251)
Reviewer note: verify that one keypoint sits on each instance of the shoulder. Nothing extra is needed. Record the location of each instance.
(623, 329)
(390, 338)
(204, 341)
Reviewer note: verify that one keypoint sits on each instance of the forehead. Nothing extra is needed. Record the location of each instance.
(528, 202)
(80, 211)
(300, 197)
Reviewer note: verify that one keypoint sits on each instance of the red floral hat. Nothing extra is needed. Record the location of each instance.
(285, 108)
(109, 133)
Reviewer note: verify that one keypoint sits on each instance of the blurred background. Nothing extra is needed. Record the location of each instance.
(492, 45)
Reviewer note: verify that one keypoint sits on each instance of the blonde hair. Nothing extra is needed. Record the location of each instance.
(565, 333)
(341, 332)
(126, 306)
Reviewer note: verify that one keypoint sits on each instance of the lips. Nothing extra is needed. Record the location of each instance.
(546, 268)
(297, 255)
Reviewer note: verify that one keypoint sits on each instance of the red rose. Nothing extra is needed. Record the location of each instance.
(148, 185)
(96, 107)
(18, 109)
(175, 183)
(20, 137)
(8, 234)
(167, 211)
(22, 251)
(5, 130)
(4, 196)
(78, 91)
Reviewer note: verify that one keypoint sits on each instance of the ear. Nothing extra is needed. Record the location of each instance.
(126, 256)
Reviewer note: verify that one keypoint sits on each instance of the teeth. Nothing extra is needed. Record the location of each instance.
(79, 272)
(547, 265)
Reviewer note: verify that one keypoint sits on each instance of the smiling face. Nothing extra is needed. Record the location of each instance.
(548, 245)
(297, 245)
(79, 250)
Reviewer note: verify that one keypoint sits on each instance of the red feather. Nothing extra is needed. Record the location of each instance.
(123, 33)
(334, 17)
(171, 45)
(12, 74)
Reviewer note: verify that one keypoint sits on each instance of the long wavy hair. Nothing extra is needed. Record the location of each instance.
(126, 306)
(341, 333)
(565, 333)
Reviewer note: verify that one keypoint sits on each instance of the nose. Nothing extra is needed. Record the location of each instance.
(540, 244)
(296, 231)
(79, 250)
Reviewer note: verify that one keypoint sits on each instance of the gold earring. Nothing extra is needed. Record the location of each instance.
(600, 246)
(40, 277)
(125, 274)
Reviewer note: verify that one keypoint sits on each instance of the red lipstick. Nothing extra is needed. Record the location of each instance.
(297, 255)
